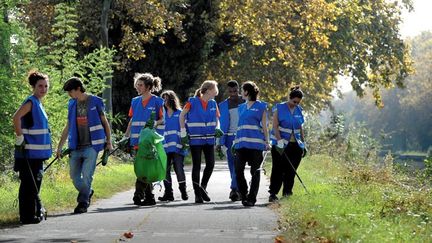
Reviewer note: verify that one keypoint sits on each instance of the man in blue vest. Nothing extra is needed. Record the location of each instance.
(228, 124)
(88, 132)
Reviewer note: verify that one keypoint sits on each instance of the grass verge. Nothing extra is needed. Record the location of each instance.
(58, 193)
(354, 204)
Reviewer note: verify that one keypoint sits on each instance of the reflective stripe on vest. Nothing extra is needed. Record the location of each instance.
(35, 131)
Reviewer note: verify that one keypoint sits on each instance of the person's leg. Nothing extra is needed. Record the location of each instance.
(234, 195)
(240, 164)
(276, 174)
(139, 192)
(294, 153)
(208, 170)
(168, 194)
(29, 187)
(149, 196)
(255, 161)
(88, 169)
(88, 156)
(76, 161)
(181, 178)
(196, 170)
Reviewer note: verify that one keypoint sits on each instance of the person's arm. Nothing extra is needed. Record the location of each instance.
(265, 129)
(127, 133)
(182, 117)
(22, 111)
(107, 129)
(276, 126)
(62, 141)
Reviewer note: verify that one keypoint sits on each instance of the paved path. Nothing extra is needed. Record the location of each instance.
(180, 221)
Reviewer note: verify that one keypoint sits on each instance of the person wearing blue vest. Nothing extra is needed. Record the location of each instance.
(200, 119)
(88, 132)
(228, 124)
(287, 143)
(140, 112)
(32, 148)
(251, 140)
(173, 147)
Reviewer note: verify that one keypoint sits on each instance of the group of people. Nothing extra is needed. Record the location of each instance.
(237, 127)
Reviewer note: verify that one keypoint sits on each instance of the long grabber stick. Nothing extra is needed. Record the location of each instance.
(64, 153)
(295, 171)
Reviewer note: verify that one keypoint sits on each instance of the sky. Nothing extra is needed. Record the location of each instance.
(413, 24)
(417, 21)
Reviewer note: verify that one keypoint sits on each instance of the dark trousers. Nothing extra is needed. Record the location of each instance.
(282, 171)
(196, 151)
(254, 159)
(30, 174)
(176, 160)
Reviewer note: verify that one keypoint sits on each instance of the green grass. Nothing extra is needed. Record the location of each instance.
(59, 195)
(361, 205)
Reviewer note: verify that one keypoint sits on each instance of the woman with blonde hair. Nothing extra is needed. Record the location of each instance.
(200, 131)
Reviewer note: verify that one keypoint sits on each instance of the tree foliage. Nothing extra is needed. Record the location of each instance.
(276, 43)
(405, 120)
(312, 43)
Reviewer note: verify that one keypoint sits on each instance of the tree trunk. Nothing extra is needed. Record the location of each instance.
(107, 94)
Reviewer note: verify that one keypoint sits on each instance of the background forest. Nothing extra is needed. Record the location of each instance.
(276, 44)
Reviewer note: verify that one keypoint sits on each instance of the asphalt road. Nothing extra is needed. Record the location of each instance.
(179, 221)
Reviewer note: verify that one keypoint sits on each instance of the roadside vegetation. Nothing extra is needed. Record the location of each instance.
(355, 196)
(58, 193)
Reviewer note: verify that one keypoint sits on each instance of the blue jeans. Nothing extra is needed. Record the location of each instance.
(82, 167)
(230, 157)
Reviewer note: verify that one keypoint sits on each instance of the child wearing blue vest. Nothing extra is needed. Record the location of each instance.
(229, 121)
(173, 147)
(32, 148)
(200, 120)
(287, 144)
(140, 111)
(88, 132)
(251, 140)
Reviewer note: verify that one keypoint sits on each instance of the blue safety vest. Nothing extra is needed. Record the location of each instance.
(172, 142)
(97, 132)
(250, 128)
(224, 120)
(37, 137)
(288, 124)
(201, 124)
(141, 115)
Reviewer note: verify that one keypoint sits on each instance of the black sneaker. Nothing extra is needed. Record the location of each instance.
(148, 202)
(90, 196)
(234, 196)
(184, 195)
(198, 199)
(166, 197)
(81, 208)
(204, 195)
(273, 198)
(248, 203)
(137, 201)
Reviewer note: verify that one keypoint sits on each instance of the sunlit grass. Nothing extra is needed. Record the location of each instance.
(356, 206)
(58, 193)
